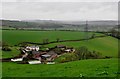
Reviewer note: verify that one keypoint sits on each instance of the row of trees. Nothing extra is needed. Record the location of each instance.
(45, 41)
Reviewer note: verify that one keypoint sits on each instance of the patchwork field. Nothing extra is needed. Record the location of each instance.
(108, 46)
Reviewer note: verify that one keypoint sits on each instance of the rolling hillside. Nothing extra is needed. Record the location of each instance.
(82, 68)
(18, 36)
(108, 46)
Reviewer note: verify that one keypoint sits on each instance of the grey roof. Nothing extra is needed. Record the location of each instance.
(35, 52)
(46, 55)
(33, 46)
(51, 53)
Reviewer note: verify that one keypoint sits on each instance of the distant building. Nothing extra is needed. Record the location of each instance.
(32, 54)
(32, 48)
(36, 54)
(61, 46)
(50, 56)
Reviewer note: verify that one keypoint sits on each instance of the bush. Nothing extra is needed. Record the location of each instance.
(84, 53)
(81, 52)
(23, 44)
(66, 58)
(57, 51)
(45, 41)
(93, 55)
(3, 44)
(6, 48)
(93, 36)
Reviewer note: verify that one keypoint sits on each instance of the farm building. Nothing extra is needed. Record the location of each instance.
(36, 54)
(32, 48)
(61, 46)
(50, 56)
(32, 54)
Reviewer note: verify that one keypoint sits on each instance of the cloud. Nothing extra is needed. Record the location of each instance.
(60, 10)
(59, 0)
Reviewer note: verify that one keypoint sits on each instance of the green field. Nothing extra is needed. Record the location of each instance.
(8, 54)
(87, 68)
(14, 37)
(108, 46)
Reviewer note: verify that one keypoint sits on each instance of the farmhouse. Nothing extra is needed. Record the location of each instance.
(35, 56)
(32, 48)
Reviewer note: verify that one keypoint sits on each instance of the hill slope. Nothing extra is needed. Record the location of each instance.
(86, 68)
(108, 46)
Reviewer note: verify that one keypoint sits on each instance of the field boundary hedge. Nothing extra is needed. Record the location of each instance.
(62, 41)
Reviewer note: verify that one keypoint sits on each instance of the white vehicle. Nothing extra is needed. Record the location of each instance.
(50, 63)
(34, 62)
(17, 59)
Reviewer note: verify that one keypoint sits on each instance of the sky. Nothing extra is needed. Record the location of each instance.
(59, 10)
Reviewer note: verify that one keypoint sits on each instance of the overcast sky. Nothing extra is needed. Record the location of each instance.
(60, 10)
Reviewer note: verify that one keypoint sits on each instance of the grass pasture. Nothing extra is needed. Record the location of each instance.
(86, 68)
(108, 46)
(14, 37)
(8, 54)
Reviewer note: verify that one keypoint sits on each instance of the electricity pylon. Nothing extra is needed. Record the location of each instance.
(86, 30)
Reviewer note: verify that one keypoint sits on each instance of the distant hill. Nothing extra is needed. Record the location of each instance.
(27, 24)
(102, 22)
(79, 25)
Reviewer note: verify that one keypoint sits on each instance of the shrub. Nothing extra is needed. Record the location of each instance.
(45, 41)
(67, 57)
(23, 44)
(93, 55)
(57, 39)
(93, 36)
(81, 52)
(58, 51)
(84, 53)
(6, 48)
